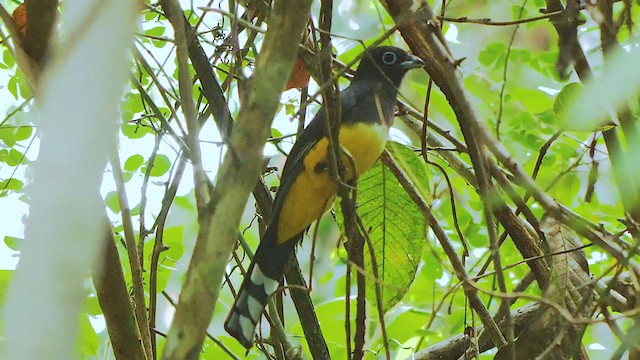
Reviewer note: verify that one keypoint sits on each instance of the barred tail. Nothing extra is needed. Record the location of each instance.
(260, 282)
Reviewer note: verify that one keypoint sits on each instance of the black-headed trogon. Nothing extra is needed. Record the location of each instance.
(307, 189)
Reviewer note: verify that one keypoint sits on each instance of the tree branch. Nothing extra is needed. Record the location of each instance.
(224, 122)
(455, 347)
(134, 260)
(306, 312)
(237, 176)
(115, 302)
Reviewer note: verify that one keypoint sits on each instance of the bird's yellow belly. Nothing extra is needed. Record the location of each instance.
(313, 191)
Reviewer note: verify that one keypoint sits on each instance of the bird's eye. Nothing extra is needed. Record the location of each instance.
(389, 58)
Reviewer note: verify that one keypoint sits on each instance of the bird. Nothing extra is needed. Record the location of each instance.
(307, 188)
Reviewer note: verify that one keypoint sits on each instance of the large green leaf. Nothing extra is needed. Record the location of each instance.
(394, 223)
(412, 165)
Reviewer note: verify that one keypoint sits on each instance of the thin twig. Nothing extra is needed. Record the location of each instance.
(142, 232)
(189, 109)
(158, 246)
(488, 21)
(377, 287)
(234, 17)
(505, 71)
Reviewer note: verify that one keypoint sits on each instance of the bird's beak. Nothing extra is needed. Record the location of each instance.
(412, 63)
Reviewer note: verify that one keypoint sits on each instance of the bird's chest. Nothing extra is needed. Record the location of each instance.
(364, 143)
(313, 191)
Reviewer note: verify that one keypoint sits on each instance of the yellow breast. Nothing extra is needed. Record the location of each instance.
(364, 142)
(313, 191)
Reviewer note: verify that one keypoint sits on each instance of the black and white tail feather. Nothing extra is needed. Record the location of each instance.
(260, 283)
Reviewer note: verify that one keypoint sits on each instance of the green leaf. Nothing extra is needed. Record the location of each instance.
(480, 87)
(275, 133)
(407, 323)
(562, 108)
(87, 338)
(133, 162)
(493, 54)
(515, 12)
(13, 243)
(161, 165)
(157, 31)
(19, 83)
(135, 131)
(565, 97)
(12, 85)
(395, 225)
(413, 165)
(8, 58)
(7, 135)
(290, 109)
(333, 320)
(173, 241)
(15, 157)
(23, 132)
(91, 305)
(150, 15)
(112, 202)
(23, 85)
(533, 100)
(430, 271)
(135, 211)
(127, 175)
(132, 103)
(11, 184)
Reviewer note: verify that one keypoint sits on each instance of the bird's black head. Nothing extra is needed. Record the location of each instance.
(388, 63)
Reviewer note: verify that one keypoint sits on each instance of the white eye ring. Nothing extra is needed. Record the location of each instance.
(389, 58)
